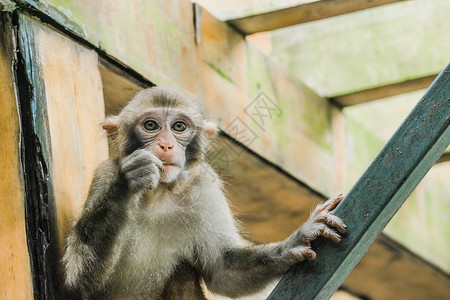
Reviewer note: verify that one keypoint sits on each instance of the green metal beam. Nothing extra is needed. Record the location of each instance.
(376, 197)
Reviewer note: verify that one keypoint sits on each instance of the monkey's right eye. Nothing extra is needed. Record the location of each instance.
(151, 125)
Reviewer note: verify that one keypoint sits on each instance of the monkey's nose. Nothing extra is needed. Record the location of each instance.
(165, 147)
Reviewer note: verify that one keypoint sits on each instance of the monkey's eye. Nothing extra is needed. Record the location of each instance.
(179, 126)
(151, 125)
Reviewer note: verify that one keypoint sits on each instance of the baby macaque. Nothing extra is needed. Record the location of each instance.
(156, 222)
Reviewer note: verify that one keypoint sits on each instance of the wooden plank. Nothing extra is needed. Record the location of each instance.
(383, 91)
(15, 272)
(378, 194)
(64, 114)
(302, 13)
(75, 108)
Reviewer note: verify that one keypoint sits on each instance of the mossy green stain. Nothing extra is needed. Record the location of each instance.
(220, 72)
(314, 117)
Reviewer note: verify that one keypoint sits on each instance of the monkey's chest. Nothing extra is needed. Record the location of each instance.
(161, 240)
(155, 241)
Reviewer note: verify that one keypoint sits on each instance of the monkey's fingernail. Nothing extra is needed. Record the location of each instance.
(311, 255)
(296, 256)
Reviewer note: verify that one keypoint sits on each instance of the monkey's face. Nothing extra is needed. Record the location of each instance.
(166, 122)
(166, 133)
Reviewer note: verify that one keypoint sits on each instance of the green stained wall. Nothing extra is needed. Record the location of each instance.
(154, 38)
(305, 143)
(369, 48)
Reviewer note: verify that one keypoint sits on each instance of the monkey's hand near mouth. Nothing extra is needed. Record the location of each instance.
(141, 170)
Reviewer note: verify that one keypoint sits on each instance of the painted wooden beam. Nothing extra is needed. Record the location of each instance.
(35, 146)
(383, 91)
(15, 270)
(377, 196)
(61, 103)
(302, 13)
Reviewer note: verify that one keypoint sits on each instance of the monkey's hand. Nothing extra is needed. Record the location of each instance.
(141, 170)
(318, 224)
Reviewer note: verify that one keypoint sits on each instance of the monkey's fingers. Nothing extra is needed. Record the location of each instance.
(331, 203)
(330, 234)
(139, 158)
(303, 253)
(336, 222)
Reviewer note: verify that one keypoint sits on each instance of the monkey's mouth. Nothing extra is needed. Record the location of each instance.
(167, 167)
(169, 164)
(170, 172)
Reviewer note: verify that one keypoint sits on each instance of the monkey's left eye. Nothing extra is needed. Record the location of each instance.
(150, 125)
(179, 126)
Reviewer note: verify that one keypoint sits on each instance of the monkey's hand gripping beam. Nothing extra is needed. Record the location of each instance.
(376, 197)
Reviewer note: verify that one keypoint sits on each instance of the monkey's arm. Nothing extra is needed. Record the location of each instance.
(93, 236)
(244, 270)
(91, 239)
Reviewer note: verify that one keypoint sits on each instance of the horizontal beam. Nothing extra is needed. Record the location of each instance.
(376, 197)
(383, 91)
(302, 13)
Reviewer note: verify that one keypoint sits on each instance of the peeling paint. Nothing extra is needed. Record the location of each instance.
(7, 5)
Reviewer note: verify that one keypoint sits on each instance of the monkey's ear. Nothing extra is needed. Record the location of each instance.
(210, 128)
(111, 125)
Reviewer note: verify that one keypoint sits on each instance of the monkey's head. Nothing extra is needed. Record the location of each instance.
(166, 122)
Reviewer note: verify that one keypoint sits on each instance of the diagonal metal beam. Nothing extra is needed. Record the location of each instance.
(376, 197)
(315, 10)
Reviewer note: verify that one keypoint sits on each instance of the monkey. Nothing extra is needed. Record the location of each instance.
(156, 223)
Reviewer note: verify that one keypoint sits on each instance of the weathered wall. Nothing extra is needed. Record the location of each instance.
(258, 104)
(222, 69)
(365, 49)
(154, 38)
